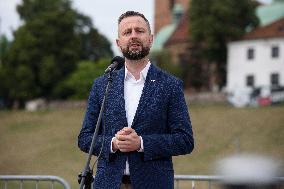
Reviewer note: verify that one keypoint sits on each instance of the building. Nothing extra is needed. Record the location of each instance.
(271, 12)
(172, 35)
(163, 12)
(255, 66)
(165, 32)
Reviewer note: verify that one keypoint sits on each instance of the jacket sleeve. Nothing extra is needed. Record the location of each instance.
(89, 124)
(179, 140)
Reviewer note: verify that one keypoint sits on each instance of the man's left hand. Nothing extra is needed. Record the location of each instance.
(128, 140)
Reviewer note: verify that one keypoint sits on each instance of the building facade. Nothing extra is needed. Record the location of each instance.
(163, 12)
(256, 62)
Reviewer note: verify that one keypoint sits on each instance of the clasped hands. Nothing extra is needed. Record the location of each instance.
(126, 140)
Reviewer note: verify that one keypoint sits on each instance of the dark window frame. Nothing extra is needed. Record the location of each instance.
(250, 81)
(275, 79)
(250, 53)
(275, 51)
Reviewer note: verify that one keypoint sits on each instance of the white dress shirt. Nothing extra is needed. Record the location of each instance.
(132, 93)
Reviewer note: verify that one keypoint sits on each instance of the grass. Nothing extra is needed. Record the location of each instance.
(45, 142)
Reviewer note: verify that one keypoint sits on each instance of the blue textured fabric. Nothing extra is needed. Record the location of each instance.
(162, 119)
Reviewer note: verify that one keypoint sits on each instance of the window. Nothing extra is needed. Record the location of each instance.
(250, 81)
(274, 79)
(275, 52)
(250, 54)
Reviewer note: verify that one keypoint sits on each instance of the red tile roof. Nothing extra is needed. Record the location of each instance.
(273, 30)
(181, 34)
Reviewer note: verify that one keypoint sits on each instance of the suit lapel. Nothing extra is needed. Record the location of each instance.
(150, 85)
(116, 95)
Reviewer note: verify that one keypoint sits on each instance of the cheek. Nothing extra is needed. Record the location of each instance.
(123, 46)
(123, 43)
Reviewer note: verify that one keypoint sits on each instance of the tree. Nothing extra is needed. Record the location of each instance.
(47, 47)
(4, 82)
(79, 83)
(163, 60)
(94, 46)
(4, 47)
(214, 23)
(44, 49)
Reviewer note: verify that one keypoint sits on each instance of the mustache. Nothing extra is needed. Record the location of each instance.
(135, 41)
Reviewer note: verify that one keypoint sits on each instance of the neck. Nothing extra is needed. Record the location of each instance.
(136, 66)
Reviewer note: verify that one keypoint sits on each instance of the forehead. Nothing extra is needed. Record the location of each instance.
(132, 21)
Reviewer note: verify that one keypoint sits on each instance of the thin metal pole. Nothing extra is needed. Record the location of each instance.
(37, 184)
(87, 166)
(21, 184)
(52, 185)
(177, 184)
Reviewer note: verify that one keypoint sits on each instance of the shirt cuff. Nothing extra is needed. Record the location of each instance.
(141, 146)
(111, 151)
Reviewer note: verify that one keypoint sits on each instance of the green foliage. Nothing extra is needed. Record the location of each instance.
(163, 60)
(30, 9)
(4, 47)
(80, 81)
(215, 23)
(23, 87)
(4, 84)
(46, 49)
(94, 46)
(196, 76)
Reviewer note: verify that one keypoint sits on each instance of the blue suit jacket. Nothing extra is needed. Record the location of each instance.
(161, 119)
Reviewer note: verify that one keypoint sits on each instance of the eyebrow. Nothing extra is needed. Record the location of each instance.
(135, 28)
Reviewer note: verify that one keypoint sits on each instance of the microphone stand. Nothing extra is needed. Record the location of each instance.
(86, 177)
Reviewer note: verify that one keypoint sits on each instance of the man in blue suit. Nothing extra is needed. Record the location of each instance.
(146, 117)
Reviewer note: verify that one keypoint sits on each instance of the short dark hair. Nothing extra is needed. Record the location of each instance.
(133, 13)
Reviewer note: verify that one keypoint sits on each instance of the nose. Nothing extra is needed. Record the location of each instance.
(134, 34)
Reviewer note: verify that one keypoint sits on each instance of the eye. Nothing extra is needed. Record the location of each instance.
(140, 31)
(127, 32)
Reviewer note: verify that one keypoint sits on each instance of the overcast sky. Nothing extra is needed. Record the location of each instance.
(104, 14)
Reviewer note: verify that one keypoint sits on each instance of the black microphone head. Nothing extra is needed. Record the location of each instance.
(119, 60)
(116, 64)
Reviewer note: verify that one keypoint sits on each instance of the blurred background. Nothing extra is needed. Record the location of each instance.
(229, 54)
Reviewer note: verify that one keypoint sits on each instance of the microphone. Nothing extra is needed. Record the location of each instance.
(116, 64)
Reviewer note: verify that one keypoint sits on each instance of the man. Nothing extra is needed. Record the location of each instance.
(146, 117)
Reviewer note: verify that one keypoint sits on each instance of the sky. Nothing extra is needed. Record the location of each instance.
(104, 14)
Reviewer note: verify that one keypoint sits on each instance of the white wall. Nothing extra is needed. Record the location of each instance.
(262, 66)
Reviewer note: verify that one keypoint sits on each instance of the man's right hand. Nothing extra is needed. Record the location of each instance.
(127, 140)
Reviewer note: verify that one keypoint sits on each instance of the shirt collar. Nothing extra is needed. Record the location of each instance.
(143, 73)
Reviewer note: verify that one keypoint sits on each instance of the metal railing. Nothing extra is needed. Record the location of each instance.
(194, 178)
(210, 179)
(34, 178)
(5, 179)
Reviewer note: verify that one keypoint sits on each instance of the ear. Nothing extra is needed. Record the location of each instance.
(117, 42)
(118, 45)
(151, 39)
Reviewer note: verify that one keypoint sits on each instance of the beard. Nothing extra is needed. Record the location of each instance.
(135, 54)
